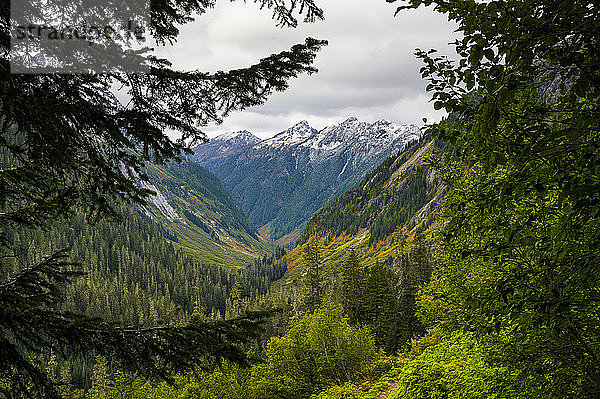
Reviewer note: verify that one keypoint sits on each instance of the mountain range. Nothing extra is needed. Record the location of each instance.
(282, 181)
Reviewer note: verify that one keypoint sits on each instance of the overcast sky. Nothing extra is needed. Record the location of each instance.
(368, 70)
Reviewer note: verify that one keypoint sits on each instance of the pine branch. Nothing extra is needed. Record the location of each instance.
(31, 324)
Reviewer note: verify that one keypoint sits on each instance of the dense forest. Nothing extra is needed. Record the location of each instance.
(135, 277)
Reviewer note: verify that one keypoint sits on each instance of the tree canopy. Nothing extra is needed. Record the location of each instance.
(522, 235)
(68, 145)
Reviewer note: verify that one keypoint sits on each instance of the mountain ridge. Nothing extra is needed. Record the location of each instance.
(281, 181)
(198, 215)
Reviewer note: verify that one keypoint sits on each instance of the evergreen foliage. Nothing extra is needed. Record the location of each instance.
(134, 277)
(415, 269)
(32, 320)
(353, 281)
(380, 302)
(69, 145)
(313, 280)
(384, 297)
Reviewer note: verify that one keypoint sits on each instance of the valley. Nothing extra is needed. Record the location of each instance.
(373, 257)
(281, 181)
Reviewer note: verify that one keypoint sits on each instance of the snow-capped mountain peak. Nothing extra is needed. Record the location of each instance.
(362, 136)
(242, 136)
(301, 131)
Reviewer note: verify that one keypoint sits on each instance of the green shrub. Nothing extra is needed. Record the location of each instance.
(321, 350)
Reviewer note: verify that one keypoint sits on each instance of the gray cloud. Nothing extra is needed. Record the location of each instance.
(368, 70)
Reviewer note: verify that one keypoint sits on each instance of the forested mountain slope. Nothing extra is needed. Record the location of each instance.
(281, 182)
(198, 215)
(135, 276)
(380, 216)
(387, 197)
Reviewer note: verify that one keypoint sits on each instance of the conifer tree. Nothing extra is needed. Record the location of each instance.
(353, 283)
(380, 302)
(414, 271)
(68, 144)
(313, 277)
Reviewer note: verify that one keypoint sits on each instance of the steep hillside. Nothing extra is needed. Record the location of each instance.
(380, 216)
(387, 198)
(282, 181)
(198, 215)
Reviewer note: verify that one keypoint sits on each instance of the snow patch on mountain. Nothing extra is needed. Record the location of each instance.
(294, 135)
(242, 136)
